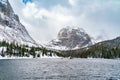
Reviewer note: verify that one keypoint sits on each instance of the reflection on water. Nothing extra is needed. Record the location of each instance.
(60, 69)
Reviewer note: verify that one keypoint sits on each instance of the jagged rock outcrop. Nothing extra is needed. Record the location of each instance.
(11, 29)
(71, 38)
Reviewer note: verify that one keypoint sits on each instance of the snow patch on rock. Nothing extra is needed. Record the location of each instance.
(70, 38)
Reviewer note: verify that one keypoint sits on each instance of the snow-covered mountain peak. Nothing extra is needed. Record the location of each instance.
(6, 9)
(11, 29)
(70, 28)
(71, 38)
(68, 31)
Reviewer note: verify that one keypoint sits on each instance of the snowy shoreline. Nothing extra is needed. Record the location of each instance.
(28, 57)
(46, 57)
(15, 58)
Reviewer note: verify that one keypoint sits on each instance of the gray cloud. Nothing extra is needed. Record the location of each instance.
(43, 23)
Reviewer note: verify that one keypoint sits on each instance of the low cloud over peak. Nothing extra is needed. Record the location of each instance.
(47, 17)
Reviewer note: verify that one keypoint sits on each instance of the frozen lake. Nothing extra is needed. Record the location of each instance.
(60, 69)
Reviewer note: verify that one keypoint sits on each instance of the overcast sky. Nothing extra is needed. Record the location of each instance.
(44, 18)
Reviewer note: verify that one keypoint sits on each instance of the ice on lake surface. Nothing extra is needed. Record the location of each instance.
(60, 69)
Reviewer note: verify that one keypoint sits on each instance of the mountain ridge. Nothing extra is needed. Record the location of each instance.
(11, 28)
(70, 38)
(106, 49)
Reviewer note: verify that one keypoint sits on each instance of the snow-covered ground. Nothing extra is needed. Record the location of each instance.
(30, 57)
(13, 57)
(60, 69)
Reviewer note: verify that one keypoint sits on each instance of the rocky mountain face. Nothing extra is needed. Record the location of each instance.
(11, 30)
(71, 38)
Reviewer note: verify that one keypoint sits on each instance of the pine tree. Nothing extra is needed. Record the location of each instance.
(2, 53)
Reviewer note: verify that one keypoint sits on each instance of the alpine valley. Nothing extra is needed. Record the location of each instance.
(15, 41)
(75, 42)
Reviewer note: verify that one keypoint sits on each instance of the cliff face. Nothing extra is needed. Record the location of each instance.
(71, 38)
(11, 29)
